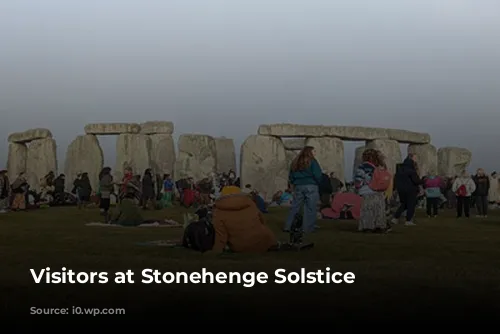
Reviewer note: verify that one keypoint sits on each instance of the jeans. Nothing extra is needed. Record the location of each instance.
(408, 202)
(432, 206)
(482, 205)
(309, 196)
(463, 206)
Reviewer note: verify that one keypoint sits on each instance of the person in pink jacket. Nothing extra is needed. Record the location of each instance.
(432, 187)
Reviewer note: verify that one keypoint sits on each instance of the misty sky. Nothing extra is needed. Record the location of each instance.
(222, 67)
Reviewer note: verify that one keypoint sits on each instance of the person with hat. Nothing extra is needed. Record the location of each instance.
(239, 224)
(4, 191)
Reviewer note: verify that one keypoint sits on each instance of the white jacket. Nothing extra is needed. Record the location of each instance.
(470, 185)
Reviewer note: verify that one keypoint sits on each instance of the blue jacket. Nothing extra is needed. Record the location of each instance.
(363, 177)
(309, 176)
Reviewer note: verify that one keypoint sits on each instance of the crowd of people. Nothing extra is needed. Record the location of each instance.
(238, 212)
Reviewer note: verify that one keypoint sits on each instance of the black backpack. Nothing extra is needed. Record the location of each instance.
(199, 236)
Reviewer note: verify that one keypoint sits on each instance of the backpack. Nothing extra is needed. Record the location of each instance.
(381, 179)
(462, 191)
(199, 236)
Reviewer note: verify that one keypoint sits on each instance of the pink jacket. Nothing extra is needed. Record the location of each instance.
(433, 183)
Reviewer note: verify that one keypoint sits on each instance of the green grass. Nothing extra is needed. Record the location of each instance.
(441, 262)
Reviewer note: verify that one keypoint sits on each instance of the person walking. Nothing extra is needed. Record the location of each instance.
(305, 176)
(463, 187)
(482, 182)
(407, 183)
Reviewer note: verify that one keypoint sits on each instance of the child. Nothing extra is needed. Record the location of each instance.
(168, 188)
(432, 188)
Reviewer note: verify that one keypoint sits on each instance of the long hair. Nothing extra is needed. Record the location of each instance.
(104, 171)
(303, 160)
(374, 157)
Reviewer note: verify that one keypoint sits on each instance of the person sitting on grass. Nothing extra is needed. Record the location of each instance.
(239, 224)
(127, 213)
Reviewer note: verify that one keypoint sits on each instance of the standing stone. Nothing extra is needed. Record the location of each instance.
(197, 157)
(264, 165)
(226, 156)
(84, 155)
(390, 149)
(132, 150)
(16, 160)
(290, 156)
(358, 158)
(453, 160)
(162, 153)
(41, 159)
(426, 158)
(330, 154)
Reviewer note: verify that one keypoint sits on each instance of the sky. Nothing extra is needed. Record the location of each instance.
(223, 67)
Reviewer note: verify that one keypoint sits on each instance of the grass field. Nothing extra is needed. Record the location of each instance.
(442, 266)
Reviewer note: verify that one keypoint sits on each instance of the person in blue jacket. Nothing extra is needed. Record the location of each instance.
(304, 177)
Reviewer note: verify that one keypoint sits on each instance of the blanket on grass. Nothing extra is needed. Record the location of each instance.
(165, 223)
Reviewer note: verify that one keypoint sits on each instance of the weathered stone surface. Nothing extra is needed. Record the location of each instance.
(354, 133)
(112, 128)
(290, 155)
(408, 137)
(453, 160)
(197, 157)
(330, 154)
(295, 144)
(156, 127)
(264, 165)
(41, 159)
(426, 158)
(83, 155)
(358, 158)
(132, 150)
(162, 153)
(390, 149)
(16, 160)
(29, 135)
(226, 156)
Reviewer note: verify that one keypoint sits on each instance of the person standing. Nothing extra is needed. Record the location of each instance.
(325, 191)
(19, 188)
(305, 175)
(407, 183)
(148, 190)
(482, 182)
(84, 190)
(168, 188)
(463, 187)
(432, 188)
(4, 191)
(106, 186)
(373, 209)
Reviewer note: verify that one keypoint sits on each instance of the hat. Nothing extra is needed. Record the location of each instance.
(3, 171)
(230, 190)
